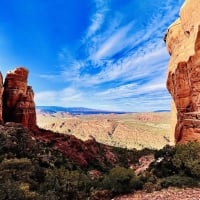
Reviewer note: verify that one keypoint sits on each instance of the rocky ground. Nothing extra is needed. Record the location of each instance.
(166, 194)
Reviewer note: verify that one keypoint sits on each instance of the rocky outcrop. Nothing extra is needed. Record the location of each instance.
(183, 44)
(18, 99)
(1, 92)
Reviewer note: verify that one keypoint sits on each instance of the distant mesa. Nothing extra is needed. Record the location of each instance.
(75, 110)
(17, 99)
(183, 83)
(160, 111)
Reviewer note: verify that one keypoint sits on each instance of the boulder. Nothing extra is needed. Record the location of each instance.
(18, 99)
(183, 82)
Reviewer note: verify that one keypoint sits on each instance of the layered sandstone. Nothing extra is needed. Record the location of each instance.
(1, 93)
(183, 44)
(18, 99)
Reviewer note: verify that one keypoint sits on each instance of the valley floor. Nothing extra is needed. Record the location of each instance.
(165, 194)
(137, 130)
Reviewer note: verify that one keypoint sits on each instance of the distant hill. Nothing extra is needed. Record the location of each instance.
(162, 111)
(131, 130)
(75, 110)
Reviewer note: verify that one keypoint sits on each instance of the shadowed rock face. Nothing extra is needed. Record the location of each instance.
(183, 83)
(18, 99)
(1, 93)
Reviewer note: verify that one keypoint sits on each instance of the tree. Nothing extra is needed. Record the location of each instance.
(120, 180)
(187, 158)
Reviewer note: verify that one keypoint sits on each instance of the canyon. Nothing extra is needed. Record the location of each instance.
(183, 82)
(47, 154)
(130, 130)
(122, 130)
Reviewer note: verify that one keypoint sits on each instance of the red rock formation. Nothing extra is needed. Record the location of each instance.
(1, 93)
(18, 99)
(82, 153)
(183, 43)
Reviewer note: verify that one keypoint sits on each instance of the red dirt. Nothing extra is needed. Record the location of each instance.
(165, 194)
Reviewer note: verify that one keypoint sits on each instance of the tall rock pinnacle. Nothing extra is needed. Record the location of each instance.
(18, 99)
(1, 93)
(183, 83)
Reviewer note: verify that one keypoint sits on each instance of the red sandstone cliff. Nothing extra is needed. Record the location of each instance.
(18, 99)
(1, 92)
(183, 44)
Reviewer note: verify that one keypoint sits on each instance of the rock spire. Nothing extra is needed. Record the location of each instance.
(18, 99)
(1, 93)
(183, 82)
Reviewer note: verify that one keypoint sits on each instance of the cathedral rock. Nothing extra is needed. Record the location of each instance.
(1, 93)
(18, 99)
(183, 83)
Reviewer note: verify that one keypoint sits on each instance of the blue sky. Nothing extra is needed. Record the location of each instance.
(104, 54)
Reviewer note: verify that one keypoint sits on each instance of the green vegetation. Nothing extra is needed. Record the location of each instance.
(121, 180)
(177, 166)
(25, 179)
(187, 159)
(179, 181)
(31, 169)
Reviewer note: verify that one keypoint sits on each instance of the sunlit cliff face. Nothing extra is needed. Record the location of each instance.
(183, 83)
(18, 99)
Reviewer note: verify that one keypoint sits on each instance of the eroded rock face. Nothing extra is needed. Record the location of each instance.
(1, 93)
(18, 99)
(183, 83)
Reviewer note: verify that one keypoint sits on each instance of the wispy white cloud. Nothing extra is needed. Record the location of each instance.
(130, 68)
(113, 43)
(97, 19)
(63, 97)
(133, 61)
(132, 90)
(145, 49)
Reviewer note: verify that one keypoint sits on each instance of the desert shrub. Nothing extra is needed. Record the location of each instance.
(148, 177)
(149, 187)
(120, 180)
(9, 190)
(121, 155)
(163, 165)
(38, 174)
(16, 169)
(137, 183)
(127, 156)
(16, 179)
(183, 159)
(166, 152)
(150, 182)
(27, 193)
(163, 169)
(101, 194)
(177, 166)
(65, 184)
(179, 181)
(187, 158)
(18, 164)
